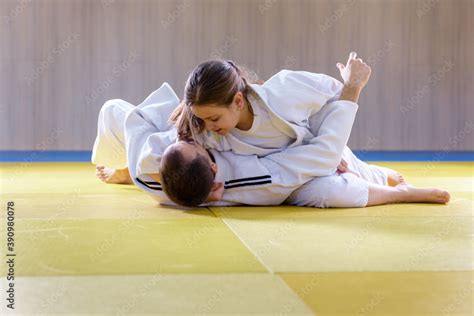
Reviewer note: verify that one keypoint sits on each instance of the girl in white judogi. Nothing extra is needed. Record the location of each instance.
(222, 110)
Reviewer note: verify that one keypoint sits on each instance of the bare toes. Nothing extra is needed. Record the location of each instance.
(444, 196)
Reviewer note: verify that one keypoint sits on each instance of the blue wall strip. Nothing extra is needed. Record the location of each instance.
(44, 156)
(434, 156)
(85, 156)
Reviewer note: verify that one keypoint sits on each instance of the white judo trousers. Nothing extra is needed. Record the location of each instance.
(109, 147)
(345, 190)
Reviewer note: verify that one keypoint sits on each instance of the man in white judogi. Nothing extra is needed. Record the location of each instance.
(144, 133)
(136, 138)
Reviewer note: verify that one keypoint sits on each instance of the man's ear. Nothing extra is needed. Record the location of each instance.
(217, 185)
(214, 167)
(216, 192)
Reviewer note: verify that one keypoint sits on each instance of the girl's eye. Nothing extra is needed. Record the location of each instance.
(215, 120)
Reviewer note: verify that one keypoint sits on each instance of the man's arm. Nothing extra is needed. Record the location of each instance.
(350, 94)
(356, 74)
(331, 126)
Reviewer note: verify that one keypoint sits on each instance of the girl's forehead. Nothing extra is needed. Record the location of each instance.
(208, 109)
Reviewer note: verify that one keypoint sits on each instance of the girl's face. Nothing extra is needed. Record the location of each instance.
(220, 119)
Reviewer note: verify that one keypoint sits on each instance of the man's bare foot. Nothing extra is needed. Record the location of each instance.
(411, 194)
(116, 176)
(393, 177)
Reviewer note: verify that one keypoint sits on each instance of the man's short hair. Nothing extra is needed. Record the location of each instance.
(186, 182)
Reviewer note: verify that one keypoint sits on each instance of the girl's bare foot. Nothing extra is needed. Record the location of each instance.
(412, 194)
(116, 176)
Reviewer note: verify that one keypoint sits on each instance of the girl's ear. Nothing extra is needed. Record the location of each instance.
(239, 100)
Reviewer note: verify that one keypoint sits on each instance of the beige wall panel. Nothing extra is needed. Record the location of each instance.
(60, 60)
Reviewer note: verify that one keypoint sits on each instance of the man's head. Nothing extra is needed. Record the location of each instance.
(187, 173)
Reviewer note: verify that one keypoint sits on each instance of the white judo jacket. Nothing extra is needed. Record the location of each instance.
(248, 179)
(290, 98)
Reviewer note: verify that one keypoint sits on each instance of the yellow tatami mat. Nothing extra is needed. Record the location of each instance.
(86, 247)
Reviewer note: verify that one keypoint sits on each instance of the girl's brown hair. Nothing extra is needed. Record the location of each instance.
(212, 82)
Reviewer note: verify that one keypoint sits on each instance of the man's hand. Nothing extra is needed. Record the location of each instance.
(355, 73)
(216, 192)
